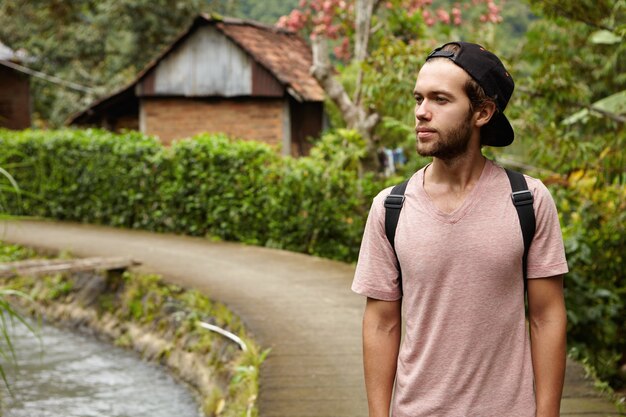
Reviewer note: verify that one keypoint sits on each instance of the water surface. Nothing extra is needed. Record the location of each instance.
(75, 375)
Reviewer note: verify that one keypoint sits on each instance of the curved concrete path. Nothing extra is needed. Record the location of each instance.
(298, 305)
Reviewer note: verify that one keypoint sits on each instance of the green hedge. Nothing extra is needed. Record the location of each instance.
(87, 176)
(204, 186)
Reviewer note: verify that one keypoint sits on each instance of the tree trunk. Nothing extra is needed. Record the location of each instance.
(355, 116)
(363, 22)
(363, 19)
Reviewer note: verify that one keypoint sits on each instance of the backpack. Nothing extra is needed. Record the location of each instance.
(521, 196)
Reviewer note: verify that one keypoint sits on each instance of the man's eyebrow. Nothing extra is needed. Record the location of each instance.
(433, 93)
(441, 93)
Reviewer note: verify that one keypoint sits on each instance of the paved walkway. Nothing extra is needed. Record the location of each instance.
(298, 305)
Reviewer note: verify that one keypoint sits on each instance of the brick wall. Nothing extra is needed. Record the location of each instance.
(174, 118)
(14, 99)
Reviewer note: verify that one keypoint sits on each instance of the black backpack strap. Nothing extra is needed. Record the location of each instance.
(523, 200)
(393, 205)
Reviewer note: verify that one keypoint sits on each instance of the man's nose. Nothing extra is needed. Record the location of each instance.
(421, 111)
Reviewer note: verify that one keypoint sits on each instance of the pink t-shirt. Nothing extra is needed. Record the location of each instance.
(466, 350)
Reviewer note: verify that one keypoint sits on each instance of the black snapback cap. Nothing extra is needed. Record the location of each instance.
(489, 72)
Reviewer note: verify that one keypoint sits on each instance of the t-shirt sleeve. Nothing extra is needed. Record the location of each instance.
(377, 272)
(546, 256)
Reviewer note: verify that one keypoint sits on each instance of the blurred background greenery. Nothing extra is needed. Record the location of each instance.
(568, 59)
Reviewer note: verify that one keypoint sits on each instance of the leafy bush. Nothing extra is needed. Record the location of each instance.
(91, 176)
(220, 187)
(593, 221)
(12, 253)
(205, 186)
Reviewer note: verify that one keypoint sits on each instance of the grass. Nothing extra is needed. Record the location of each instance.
(8, 314)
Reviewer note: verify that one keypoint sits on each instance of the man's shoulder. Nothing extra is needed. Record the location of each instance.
(532, 182)
(535, 185)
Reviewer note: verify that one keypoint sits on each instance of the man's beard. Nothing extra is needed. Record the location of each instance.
(452, 143)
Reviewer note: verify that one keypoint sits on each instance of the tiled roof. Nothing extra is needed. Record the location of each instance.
(283, 53)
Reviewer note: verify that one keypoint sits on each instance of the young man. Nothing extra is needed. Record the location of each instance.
(466, 351)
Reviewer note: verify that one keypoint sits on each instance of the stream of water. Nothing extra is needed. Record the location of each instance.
(65, 374)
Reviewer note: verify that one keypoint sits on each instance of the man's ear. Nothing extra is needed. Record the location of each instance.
(485, 113)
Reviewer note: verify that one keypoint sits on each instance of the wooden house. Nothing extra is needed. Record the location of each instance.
(15, 103)
(234, 76)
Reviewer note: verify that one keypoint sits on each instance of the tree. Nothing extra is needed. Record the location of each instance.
(101, 45)
(266, 11)
(572, 90)
(355, 28)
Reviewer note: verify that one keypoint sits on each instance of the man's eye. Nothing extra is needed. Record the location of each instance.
(419, 100)
(441, 99)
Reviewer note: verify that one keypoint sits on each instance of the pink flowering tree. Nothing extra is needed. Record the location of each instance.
(344, 33)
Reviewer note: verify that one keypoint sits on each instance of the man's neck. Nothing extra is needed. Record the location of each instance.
(456, 174)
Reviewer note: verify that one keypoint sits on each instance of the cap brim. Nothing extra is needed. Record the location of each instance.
(498, 132)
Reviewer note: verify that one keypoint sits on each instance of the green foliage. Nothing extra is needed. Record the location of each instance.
(217, 188)
(266, 11)
(342, 149)
(571, 99)
(8, 316)
(570, 109)
(247, 375)
(592, 12)
(594, 232)
(142, 298)
(59, 287)
(12, 253)
(10, 190)
(390, 75)
(206, 186)
(91, 167)
(98, 44)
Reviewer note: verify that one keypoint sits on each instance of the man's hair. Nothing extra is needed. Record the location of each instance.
(476, 94)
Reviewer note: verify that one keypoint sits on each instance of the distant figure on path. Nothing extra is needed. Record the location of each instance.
(455, 269)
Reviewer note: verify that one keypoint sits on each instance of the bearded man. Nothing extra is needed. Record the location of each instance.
(456, 270)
